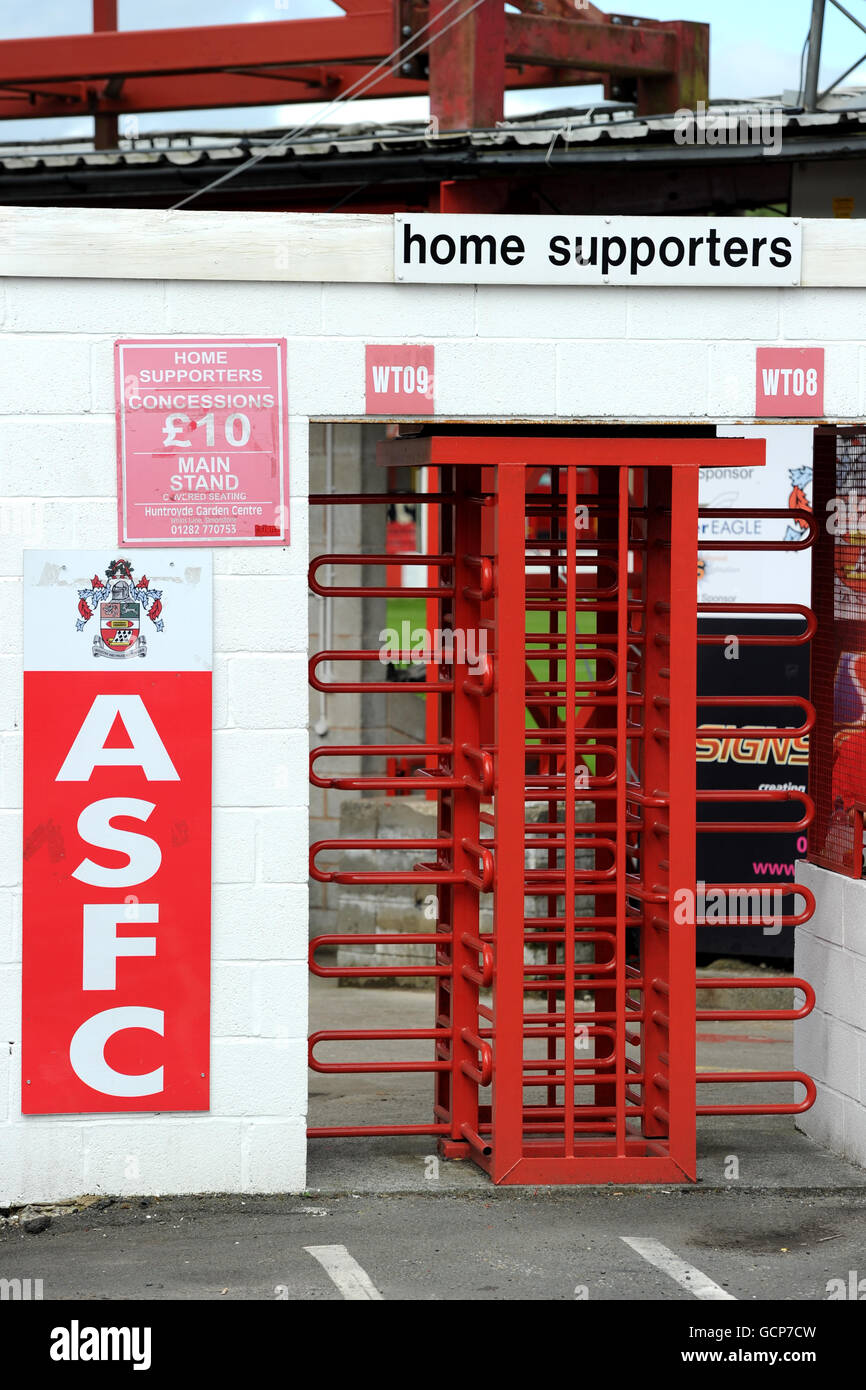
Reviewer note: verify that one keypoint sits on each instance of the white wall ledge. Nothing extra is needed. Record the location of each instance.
(146, 244)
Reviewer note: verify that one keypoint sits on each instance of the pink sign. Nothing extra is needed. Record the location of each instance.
(202, 448)
(790, 382)
(400, 380)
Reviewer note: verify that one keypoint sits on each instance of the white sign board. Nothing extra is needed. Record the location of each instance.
(758, 576)
(150, 611)
(436, 248)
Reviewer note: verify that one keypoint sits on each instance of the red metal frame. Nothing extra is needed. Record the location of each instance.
(740, 797)
(466, 69)
(530, 1081)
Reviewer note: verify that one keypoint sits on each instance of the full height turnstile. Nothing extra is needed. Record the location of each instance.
(560, 679)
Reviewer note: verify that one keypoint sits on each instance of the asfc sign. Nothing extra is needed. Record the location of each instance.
(117, 815)
(202, 454)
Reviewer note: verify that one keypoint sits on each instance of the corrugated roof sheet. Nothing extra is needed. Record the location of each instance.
(569, 130)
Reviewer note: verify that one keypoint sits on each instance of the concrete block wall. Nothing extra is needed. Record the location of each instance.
(600, 353)
(341, 712)
(58, 488)
(349, 718)
(523, 353)
(830, 1045)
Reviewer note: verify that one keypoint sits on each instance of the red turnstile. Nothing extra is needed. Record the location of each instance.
(563, 655)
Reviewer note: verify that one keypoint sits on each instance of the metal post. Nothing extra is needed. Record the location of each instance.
(467, 65)
(457, 994)
(682, 568)
(508, 907)
(104, 126)
(810, 91)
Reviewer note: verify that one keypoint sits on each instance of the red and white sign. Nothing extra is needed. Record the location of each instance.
(790, 382)
(202, 441)
(117, 815)
(400, 379)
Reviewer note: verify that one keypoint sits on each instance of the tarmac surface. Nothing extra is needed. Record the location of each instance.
(769, 1150)
(772, 1216)
(492, 1245)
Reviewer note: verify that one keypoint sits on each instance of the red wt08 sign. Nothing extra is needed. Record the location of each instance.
(790, 382)
(117, 809)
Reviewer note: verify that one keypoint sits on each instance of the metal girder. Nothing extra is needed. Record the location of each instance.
(203, 48)
(465, 70)
(610, 48)
(202, 91)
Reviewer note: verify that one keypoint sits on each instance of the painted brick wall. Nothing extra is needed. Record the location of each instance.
(830, 1045)
(525, 352)
(57, 483)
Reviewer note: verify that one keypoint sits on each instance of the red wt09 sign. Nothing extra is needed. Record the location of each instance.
(400, 379)
(117, 810)
(790, 382)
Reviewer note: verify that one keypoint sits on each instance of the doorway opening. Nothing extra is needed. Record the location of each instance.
(516, 825)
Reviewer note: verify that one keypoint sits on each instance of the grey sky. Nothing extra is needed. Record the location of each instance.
(755, 48)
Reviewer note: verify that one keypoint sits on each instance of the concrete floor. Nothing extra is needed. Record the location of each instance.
(771, 1152)
(382, 1219)
(500, 1244)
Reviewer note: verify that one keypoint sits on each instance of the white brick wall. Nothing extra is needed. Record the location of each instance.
(522, 353)
(830, 1045)
(57, 488)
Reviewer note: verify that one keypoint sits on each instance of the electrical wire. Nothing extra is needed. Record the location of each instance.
(357, 89)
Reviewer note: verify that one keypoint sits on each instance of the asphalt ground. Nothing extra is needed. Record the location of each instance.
(500, 1244)
(772, 1219)
(768, 1150)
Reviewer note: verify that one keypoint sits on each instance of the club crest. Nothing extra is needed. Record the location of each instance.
(119, 602)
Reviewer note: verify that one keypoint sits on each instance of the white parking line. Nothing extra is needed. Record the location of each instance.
(352, 1281)
(697, 1283)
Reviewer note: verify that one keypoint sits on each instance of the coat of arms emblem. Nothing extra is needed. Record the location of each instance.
(120, 601)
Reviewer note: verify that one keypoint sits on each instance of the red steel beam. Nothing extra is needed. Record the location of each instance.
(625, 50)
(563, 8)
(206, 48)
(210, 91)
(202, 91)
(284, 61)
